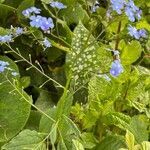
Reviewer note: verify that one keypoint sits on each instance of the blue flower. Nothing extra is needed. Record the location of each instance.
(116, 68)
(26, 13)
(41, 22)
(133, 32)
(132, 11)
(130, 14)
(46, 43)
(58, 5)
(118, 5)
(137, 34)
(18, 31)
(47, 24)
(6, 38)
(3, 66)
(143, 33)
(36, 21)
(132, 5)
(29, 11)
(34, 10)
(138, 14)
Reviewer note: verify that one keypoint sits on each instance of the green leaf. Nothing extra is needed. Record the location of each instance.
(131, 53)
(138, 127)
(89, 140)
(111, 143)
(53, 134)
(1, 1)
(46, 123)
(44, 101)
(78, 13)
(118, 119)
(61, 145)
(78, 145)
(143, 24)
(145, 145)
(33, 121)
(130, 140)
(25, 81)
(64, 104)
(14, 103)
(137, 96)
(102, 95)
(26, 139)
(5, 10)
(67, 127)
(83, 58)
(104, 57)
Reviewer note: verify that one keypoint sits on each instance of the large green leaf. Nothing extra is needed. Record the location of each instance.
(14, 103)
(27, 139)
(83, 58)
(131, 52)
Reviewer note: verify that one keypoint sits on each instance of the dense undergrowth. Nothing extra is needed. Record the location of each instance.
(75, 75)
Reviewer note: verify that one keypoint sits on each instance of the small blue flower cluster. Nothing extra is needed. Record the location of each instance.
(4, 66)
(132, 11)
(31, 10)
(117, 5)
(41, 22)
(46, 43)
(137, 34)
(38, 21)
(57, 5)
(116, 68)
(13, 33)
(6, 38)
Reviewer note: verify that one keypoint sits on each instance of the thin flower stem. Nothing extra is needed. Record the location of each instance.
(50, 79)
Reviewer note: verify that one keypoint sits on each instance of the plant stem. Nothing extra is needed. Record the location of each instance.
(118, 38)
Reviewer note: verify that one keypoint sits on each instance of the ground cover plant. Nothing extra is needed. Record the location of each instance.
(75, 75)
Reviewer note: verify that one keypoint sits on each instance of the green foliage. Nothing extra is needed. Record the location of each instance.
(26, 139)
(63, 96)
(131, 52)
(111, 143)
(14, 103)
(84, 51)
